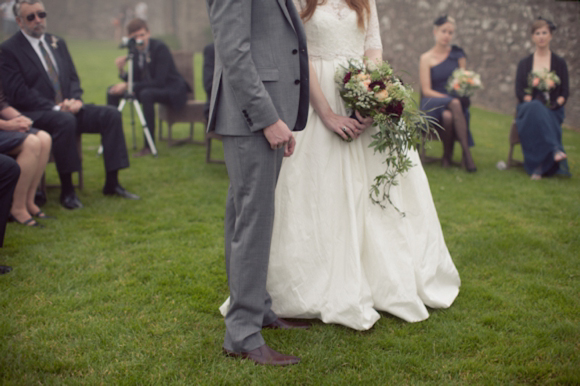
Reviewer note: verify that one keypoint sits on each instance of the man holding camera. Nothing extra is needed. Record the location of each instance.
(156, 79)
(40, 80)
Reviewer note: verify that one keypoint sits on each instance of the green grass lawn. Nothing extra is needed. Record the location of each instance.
(127, 292)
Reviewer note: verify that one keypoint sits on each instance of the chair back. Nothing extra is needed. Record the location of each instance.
(184, 63)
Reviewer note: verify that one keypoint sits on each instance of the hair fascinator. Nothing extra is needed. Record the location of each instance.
(441, 20)
(551, 25)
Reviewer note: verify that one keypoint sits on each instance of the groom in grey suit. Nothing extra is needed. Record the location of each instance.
(260, 95)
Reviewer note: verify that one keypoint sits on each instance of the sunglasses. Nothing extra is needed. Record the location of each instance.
(32, 16)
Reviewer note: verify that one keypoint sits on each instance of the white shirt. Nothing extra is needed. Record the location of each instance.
(34, 43)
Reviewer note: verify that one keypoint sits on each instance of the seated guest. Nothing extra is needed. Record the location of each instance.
(156, 79)
(40, 80)
(208, 67)
(9, 174)
(540, 114)
(435, 68)
(31, 148)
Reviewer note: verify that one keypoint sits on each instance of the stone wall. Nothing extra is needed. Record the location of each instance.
(495, 35)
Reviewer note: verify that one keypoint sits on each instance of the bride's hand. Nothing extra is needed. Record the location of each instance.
(345, 127)
(366, 121)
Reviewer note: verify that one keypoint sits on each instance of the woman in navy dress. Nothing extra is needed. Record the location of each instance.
(539, 121)
(31, 148)
(452, 113)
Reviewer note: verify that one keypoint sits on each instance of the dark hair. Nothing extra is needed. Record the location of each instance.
(18, 4)
(443, 19)
(135, 25)
(542, 22)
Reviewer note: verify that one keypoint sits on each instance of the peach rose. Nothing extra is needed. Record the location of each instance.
(363, 77)
(551, 83)
(382, 95)
(536, 82)
(367, 83)
(456, 86)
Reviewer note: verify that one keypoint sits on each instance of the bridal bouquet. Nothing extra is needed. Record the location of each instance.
(544, 81)
(464, 82)
(373, 90)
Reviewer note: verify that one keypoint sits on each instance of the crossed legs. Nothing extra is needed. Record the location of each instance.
(455, 126)
(32, 156)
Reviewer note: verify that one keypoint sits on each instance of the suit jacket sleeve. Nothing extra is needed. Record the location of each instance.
(231, 22)
(75, 91)
(15, 88)
(163, 60)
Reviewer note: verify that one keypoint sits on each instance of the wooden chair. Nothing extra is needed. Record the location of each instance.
(43, 185)
(514, 140)
(192, 111)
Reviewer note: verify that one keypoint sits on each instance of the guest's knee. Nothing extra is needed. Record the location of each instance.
(32, 145)
(45, 139)
(455, 104)
(447, 116)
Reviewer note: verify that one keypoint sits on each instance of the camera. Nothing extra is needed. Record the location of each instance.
(130, 43)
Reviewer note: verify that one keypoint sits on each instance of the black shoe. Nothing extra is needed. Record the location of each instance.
(71, 201)
(25, 223)
(121, 192)
(42, 215)
(5, 269)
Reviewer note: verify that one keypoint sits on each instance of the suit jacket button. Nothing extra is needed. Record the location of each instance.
(294, 51)
(297, 81)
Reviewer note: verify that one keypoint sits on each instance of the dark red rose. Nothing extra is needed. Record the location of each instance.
(347, 77)
(376, 83)
(395, 109)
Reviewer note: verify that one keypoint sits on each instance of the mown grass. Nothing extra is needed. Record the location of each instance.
(125, 292)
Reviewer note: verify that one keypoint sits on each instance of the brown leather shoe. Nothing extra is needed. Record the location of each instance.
(264, 355)
(287, 325)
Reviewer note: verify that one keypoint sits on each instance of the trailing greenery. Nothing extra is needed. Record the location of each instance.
(127, 292)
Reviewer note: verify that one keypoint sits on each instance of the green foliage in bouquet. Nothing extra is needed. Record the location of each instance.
(373, 90)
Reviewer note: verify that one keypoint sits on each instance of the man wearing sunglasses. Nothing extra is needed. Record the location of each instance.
(41, 81)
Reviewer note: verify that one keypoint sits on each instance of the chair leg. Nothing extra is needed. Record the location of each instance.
(160, 130)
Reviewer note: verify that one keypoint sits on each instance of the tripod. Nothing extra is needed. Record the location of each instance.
(135, 106)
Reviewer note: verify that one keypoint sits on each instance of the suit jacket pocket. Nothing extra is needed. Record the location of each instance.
(268, 74)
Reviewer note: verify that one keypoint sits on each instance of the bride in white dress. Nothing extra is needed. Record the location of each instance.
(335, 255)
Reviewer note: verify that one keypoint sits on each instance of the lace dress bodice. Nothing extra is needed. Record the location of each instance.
(333, 32)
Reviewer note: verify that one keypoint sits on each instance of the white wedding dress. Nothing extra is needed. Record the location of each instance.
(335, 255)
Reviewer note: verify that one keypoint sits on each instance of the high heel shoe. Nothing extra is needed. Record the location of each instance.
(25, 223)
(42, 215)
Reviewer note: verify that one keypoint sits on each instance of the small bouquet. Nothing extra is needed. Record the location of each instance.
(373, 90)
(464, 83)
(544, 81)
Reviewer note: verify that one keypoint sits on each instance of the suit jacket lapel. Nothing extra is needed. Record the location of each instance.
(29, 51)
(48, 39)
(282, 4)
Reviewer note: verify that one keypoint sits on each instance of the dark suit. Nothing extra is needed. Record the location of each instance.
(29, 89)
(9, 174)
(156, 81)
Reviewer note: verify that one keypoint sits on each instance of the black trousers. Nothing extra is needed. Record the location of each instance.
(62, 127)
(9, 174)
(148, 97)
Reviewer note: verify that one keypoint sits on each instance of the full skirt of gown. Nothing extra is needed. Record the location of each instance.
(338, 257)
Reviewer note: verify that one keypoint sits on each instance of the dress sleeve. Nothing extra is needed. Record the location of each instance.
(373, 38)
(521, 80)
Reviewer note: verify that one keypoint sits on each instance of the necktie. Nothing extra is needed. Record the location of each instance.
(52, 74)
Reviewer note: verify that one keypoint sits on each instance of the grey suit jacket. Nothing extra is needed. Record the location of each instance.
(257, 78)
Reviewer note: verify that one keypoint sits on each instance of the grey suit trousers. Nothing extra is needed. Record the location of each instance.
(253, 169)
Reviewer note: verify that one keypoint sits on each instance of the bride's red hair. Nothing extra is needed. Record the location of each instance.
(362, 8)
